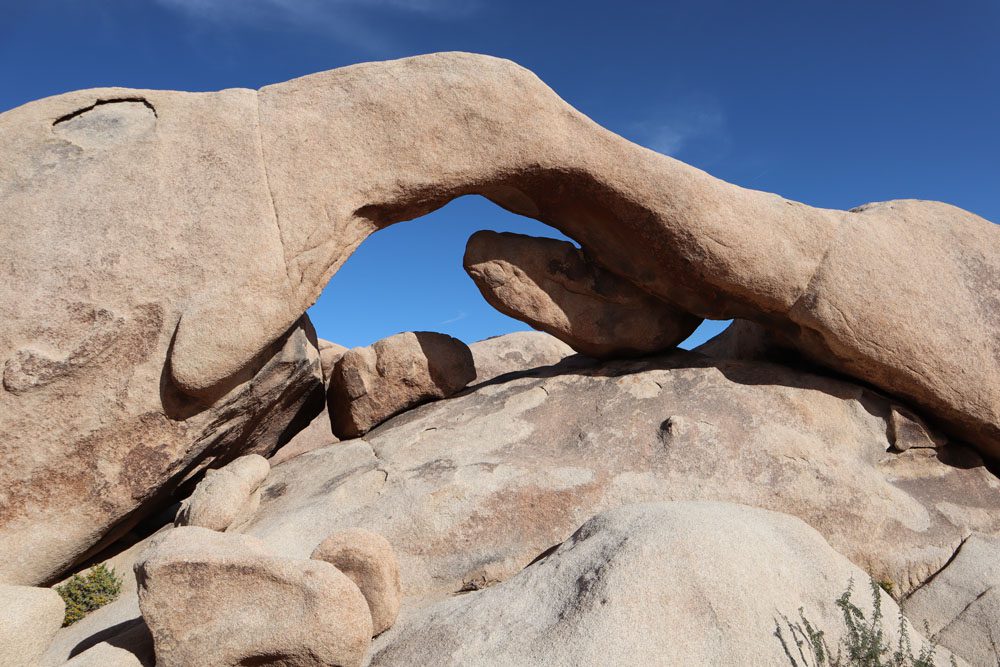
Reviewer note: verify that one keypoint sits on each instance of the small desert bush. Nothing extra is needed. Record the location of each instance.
(863, 645)
(84, 593)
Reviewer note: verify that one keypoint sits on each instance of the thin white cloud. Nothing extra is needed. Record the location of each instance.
(687, 126)
(460, 316)
(351, 21)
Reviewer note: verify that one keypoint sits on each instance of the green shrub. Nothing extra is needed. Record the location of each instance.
(863, 645)
(87, 592)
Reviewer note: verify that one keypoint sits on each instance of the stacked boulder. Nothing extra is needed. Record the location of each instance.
(227, 599)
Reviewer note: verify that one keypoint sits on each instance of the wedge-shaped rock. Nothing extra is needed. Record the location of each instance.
(29, 619)
(367, 558)
(104, 655)
(225, 493)
(681, 583)
(555, 287)
(221, 599)
(370, 384)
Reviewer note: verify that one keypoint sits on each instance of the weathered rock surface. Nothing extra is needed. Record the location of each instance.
(223, 599)
(516, 352)
(470, 490)
(370, 384)
(160, 245)
(368, 559)
(557, 288)
(687, 583)
(118, 441)
(29, 618)
(105, 655)
(225, 493)
(961, 604)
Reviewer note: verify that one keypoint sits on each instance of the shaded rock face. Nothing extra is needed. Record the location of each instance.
(685, 583)
(516, 352)
(222, 599)
(555, 287)
(111, 449)
(370, 384)
(159, 246)
(961, 604)
(470, 490)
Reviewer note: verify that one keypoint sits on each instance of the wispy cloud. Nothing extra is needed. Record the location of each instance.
(696, 125)
(351, 21)
(460, 316)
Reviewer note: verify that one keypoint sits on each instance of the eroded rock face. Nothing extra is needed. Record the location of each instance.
(225, 493)
(683, 583)
(961, 604)
(555, 287)
(516, 352)
(222, 599)
(367, 558)
(370, 384)
(470, 490)
(29, 618)
(72, 483)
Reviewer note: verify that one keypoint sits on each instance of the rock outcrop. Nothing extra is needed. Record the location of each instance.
(516, 352)
(223, 599)
(161, 247)
(657, 584)
(225, 493)
(368, 559)
(29, 618)
(370, 384)
(557, 288)
(961, 603)
(469, 490)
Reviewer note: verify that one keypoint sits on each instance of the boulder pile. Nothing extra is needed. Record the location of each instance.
(271, 498)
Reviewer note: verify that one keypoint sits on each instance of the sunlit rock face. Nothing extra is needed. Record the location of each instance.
(159, 249)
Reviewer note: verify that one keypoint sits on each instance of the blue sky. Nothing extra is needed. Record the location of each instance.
(831, 103)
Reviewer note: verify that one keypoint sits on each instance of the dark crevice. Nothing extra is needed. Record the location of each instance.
(941, 569)
(114, 100)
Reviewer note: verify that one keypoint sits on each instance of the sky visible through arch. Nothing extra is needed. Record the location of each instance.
(831, 103)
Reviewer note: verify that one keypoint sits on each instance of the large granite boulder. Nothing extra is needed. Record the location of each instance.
(370, 384)
(29, 619)
(555, 287)
(225, 494)
(222, 599)
(470, 490)
(160, 246)
(685, 583)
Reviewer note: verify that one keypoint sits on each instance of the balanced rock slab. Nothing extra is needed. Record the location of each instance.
(557, 288)
(370, 384)
(222, 599)
(685, 583)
